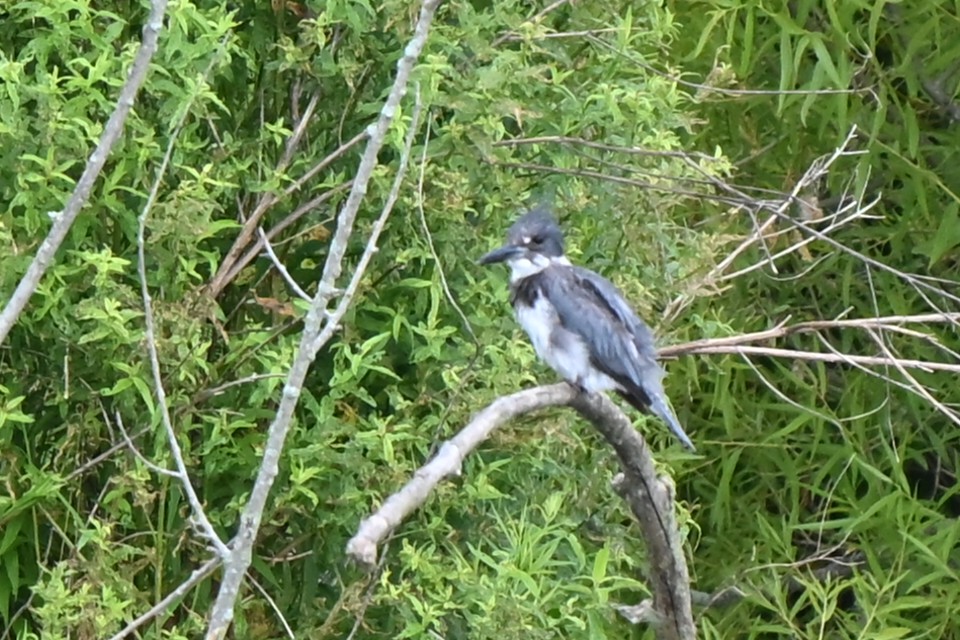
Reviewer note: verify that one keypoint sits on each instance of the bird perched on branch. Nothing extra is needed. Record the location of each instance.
(579, 322)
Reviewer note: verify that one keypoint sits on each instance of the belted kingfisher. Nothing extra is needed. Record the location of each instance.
(579, 322)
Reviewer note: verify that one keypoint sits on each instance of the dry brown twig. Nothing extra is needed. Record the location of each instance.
(241, 253)
(254, 249)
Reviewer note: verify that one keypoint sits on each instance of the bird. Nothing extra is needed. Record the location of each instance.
(579, 322)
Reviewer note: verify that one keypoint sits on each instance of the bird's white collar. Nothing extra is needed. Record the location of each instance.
(532, 264)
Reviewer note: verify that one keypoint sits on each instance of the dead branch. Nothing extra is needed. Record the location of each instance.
(239, 264)
(833, 569)
(744, 344)
(651, 497)
(318, 323)
(842, 358)
(448, 461)
(887, 323)
(81, 193)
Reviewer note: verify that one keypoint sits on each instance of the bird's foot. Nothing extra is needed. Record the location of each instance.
(578, 387)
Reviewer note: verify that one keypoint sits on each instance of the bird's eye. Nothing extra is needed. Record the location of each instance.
(536, 240)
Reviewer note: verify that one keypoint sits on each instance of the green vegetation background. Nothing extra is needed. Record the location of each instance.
(798, 459)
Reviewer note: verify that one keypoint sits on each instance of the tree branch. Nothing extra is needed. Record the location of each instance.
(650, 497)
(239, 560)
(81, 193)
(835, 568)
(743, 344)
(448, 461)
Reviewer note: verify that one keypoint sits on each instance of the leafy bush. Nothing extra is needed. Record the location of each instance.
(806, 463)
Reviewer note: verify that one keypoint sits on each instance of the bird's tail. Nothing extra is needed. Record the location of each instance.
(659, 407)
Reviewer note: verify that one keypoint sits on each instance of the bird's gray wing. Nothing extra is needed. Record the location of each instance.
(613, 299)
(620, 343)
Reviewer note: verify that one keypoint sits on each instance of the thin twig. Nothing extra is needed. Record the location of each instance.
(239, 264)
(775, 390)
(714, 89)
(550, 7)
(333, 321)
(777, 209)
(574, 141)
(900, 366)
(373, 579)
(773, 352)
(641, 184)
(782, 330)
(196, 507)
(279, 266)
(477, 348)
(294, 140)
(273, 605)
(205, 394)
(93, 462)
(918, 282)
(136, 452)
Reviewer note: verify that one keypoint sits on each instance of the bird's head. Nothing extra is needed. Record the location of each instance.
(533, 242)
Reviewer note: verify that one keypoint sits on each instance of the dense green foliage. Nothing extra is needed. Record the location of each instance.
(799, 459)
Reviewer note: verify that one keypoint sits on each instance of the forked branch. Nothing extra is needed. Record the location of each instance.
(320, 323)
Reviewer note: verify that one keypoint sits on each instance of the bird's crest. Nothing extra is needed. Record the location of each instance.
(537, 224)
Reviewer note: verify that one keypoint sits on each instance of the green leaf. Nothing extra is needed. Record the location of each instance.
(946, 238)
(600, 562)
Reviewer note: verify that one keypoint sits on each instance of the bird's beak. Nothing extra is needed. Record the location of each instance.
(505, 252)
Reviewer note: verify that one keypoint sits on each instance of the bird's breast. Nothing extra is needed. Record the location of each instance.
(539, 320)
(564, 351)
